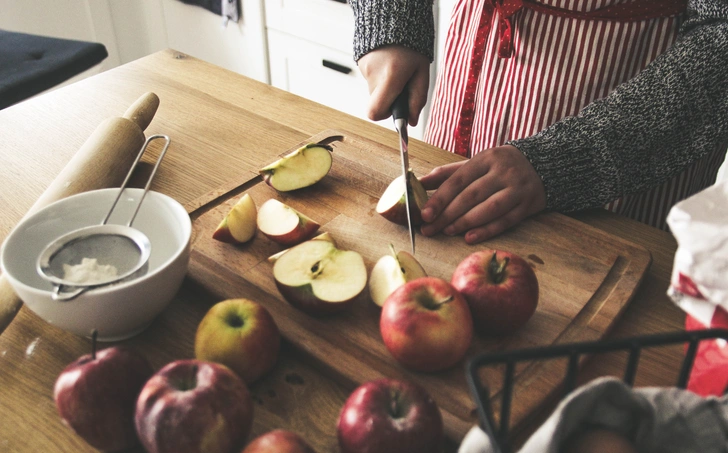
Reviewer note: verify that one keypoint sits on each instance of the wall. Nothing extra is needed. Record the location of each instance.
(131, 29)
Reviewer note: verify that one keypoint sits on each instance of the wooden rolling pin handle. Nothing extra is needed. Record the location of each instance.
(102, 161)
(142, 111)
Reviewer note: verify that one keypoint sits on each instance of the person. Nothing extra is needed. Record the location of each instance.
(559, 105)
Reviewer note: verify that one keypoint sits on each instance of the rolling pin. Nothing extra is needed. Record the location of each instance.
(101, 162)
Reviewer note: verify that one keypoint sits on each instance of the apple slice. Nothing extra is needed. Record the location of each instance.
(238, 226)
(325, 236)
(392, 204)
(391, 272)
(318, 278)
(302, 168)
(282, 224)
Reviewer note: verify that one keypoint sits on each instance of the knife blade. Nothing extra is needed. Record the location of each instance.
(400, 113)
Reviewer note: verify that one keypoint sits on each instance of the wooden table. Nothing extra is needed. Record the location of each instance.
(224, 125)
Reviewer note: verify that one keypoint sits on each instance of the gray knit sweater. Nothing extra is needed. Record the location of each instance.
(645, 132)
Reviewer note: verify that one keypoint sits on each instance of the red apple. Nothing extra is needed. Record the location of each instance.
(96, 395)
(191, 406)
(501, 289)
(426, 324)
(278, 441)
(282, 224)
(388, 415)
(240, 334)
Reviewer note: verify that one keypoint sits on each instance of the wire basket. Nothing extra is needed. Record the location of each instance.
(574, 353)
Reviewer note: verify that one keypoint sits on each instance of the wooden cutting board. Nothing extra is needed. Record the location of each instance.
(586, 278)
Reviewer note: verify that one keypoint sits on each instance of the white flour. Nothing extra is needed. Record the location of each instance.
(88, 272)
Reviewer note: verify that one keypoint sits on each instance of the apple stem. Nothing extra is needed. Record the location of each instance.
(394, 405)
(498, 269)
(448, 299)
(94, 335)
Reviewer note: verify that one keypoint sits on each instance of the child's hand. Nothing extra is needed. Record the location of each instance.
(483, 196)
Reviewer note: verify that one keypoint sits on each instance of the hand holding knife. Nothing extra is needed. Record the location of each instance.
(400, 114)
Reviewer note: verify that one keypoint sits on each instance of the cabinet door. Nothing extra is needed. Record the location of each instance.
(322, 74)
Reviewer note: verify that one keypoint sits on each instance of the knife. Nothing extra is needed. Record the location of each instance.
(400, 113)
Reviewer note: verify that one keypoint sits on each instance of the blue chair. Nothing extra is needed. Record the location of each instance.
(31, 64)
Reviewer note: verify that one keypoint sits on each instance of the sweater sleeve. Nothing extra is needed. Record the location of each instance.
(381, 22)
(647, 130)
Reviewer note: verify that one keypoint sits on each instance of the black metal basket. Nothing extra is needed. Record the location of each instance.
(574, 352)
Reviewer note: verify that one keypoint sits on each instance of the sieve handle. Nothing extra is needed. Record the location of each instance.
(131, 170)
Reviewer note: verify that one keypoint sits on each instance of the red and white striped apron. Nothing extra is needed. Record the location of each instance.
(513, 67)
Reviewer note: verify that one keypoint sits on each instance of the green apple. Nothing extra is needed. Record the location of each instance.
(392, 271)
(392, 204)
(282, 224)
(302, 168)
(239, 224)
(318, 278)
(240, 334)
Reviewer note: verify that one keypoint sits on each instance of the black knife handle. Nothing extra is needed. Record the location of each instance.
(400, 107)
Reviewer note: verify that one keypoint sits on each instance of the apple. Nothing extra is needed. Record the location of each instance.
(393, 206)
(239, 224)
(325, 236)
(302, 168)
(392, 271)
(240, 334)
(96, 395)
(282, 224)
(278, 441)
(318, 278)
(192, 406)
(501, 289)
(426, 325)
(389, 415)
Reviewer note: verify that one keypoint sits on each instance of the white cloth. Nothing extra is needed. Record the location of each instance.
(656, 420)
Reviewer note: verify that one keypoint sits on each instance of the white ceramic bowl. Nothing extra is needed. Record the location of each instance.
(120, 310)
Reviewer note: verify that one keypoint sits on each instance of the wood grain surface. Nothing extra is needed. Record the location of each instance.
(586, 278)
(224, 127)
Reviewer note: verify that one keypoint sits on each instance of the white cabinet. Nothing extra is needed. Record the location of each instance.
(310, 53)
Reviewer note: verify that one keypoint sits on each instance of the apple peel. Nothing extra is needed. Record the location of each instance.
(239, 225)
(392, 204)
(392, 271)
(282, 224)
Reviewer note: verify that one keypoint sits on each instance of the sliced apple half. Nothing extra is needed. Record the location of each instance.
(282, 224)
(239, 224)
(302, 168)
(392, 204)
(392, 271)
(318, 278)
(321, 237)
